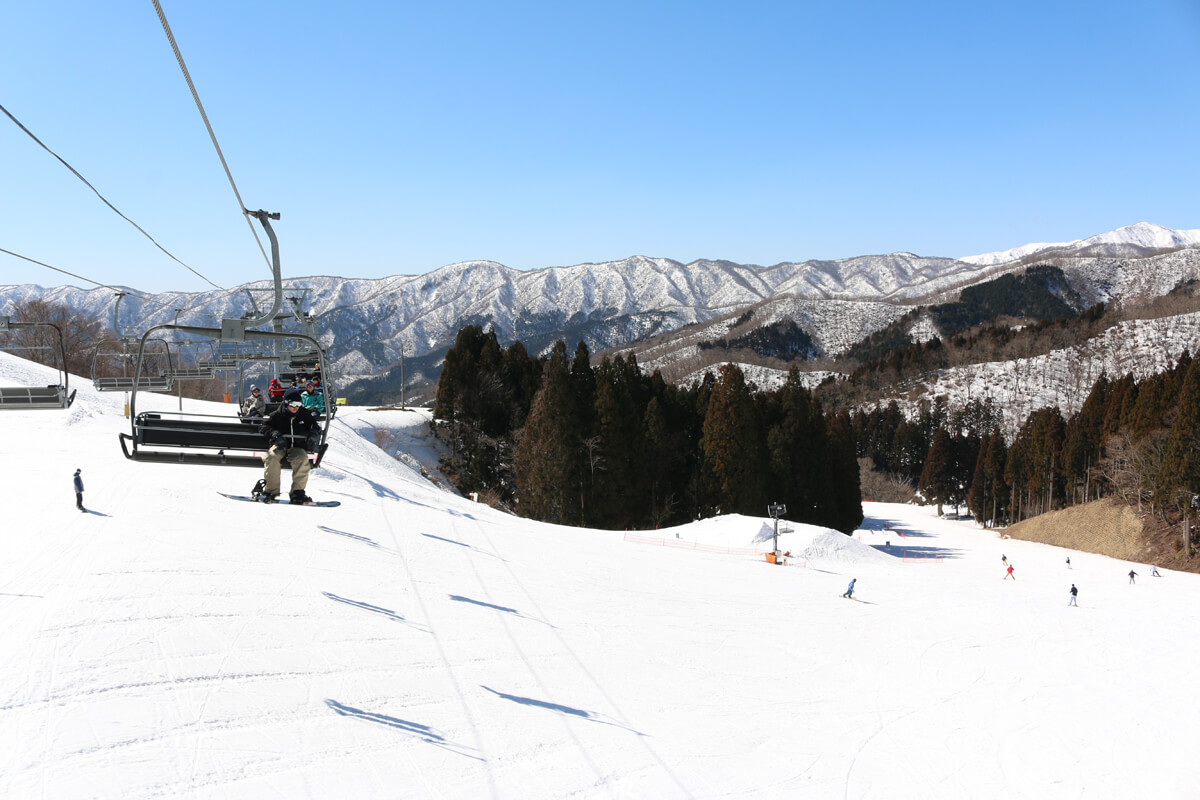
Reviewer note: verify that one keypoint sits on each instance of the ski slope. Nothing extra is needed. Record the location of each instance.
(411, 643)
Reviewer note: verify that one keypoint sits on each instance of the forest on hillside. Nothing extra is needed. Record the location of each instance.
(558, 439)
(606, 446)
(1136, 441)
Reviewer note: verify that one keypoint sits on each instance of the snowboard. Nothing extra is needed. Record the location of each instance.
(281, 501)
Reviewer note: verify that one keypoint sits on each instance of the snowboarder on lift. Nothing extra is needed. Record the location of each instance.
(850, 589)
(289, 424)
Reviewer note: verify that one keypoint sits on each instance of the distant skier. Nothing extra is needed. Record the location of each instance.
(1132, 575)
(1009, 574)
(1074, 594)
(79, 490)
(1004, 560)
(850, 589)
(1068, 562)
(1154, 572)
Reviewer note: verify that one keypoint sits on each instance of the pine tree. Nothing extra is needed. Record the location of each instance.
(733, 457)
(1181, 464)
(937, 476)
(620, 493)
(547, 460)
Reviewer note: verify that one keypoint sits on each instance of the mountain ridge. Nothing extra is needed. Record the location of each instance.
(367, 325)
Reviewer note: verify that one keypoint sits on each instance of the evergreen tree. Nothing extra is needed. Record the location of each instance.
(937, 476)
(547, 462)
(733, 459)
(845, 502)
(799, 451)
(1181, 463)
(620, 493)
(1082, 448)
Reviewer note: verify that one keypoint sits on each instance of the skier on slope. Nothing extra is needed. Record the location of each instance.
(283, 430)
(1074, 594)
(79, 490)
(850, 589)
(1009, 574)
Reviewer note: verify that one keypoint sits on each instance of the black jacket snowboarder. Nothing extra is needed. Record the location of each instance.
(292, 433)
(301, 425)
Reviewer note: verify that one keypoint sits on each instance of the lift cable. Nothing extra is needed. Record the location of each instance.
(95, 283)
(200, 106)
(75, 172)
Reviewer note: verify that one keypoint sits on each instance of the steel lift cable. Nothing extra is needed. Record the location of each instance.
(162, 17)
(75, 172)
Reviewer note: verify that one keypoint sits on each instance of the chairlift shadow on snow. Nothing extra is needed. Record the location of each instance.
(384, 612)
(470, 547)
(424, 732)
(458, 598)
(356, 537)
(97, 513)
(591, 716)
(447, 541)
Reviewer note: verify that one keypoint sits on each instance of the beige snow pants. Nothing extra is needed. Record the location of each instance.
(273, 462)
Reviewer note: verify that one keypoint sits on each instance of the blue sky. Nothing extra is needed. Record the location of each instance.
(395, 138)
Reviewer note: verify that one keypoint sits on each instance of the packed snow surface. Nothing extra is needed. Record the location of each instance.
(411, 643)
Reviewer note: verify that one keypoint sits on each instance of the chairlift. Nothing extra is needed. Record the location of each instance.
(179, 437)
(124, 382)
(28, 397)
(193, 438)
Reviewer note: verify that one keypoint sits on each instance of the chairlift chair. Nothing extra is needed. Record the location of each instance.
(28, 397)
(192, 438)
(124, 382)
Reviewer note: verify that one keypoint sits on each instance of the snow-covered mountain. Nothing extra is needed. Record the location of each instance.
(1131, 241)
(367, 324)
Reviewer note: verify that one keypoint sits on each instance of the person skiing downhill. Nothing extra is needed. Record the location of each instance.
(1074, 594)
(850, 589)
(283, 429)
(1132, 575)
(79, 490)
(1068, 562)
(1009, 574)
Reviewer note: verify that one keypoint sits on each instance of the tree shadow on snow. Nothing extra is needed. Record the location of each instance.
(904, 550)
(425, 732)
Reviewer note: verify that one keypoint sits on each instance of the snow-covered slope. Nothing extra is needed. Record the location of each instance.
(410, 643)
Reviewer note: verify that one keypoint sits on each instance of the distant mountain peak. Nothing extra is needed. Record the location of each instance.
(1145, 236)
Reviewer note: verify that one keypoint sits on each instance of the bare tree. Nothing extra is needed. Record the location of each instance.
(80, 332)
